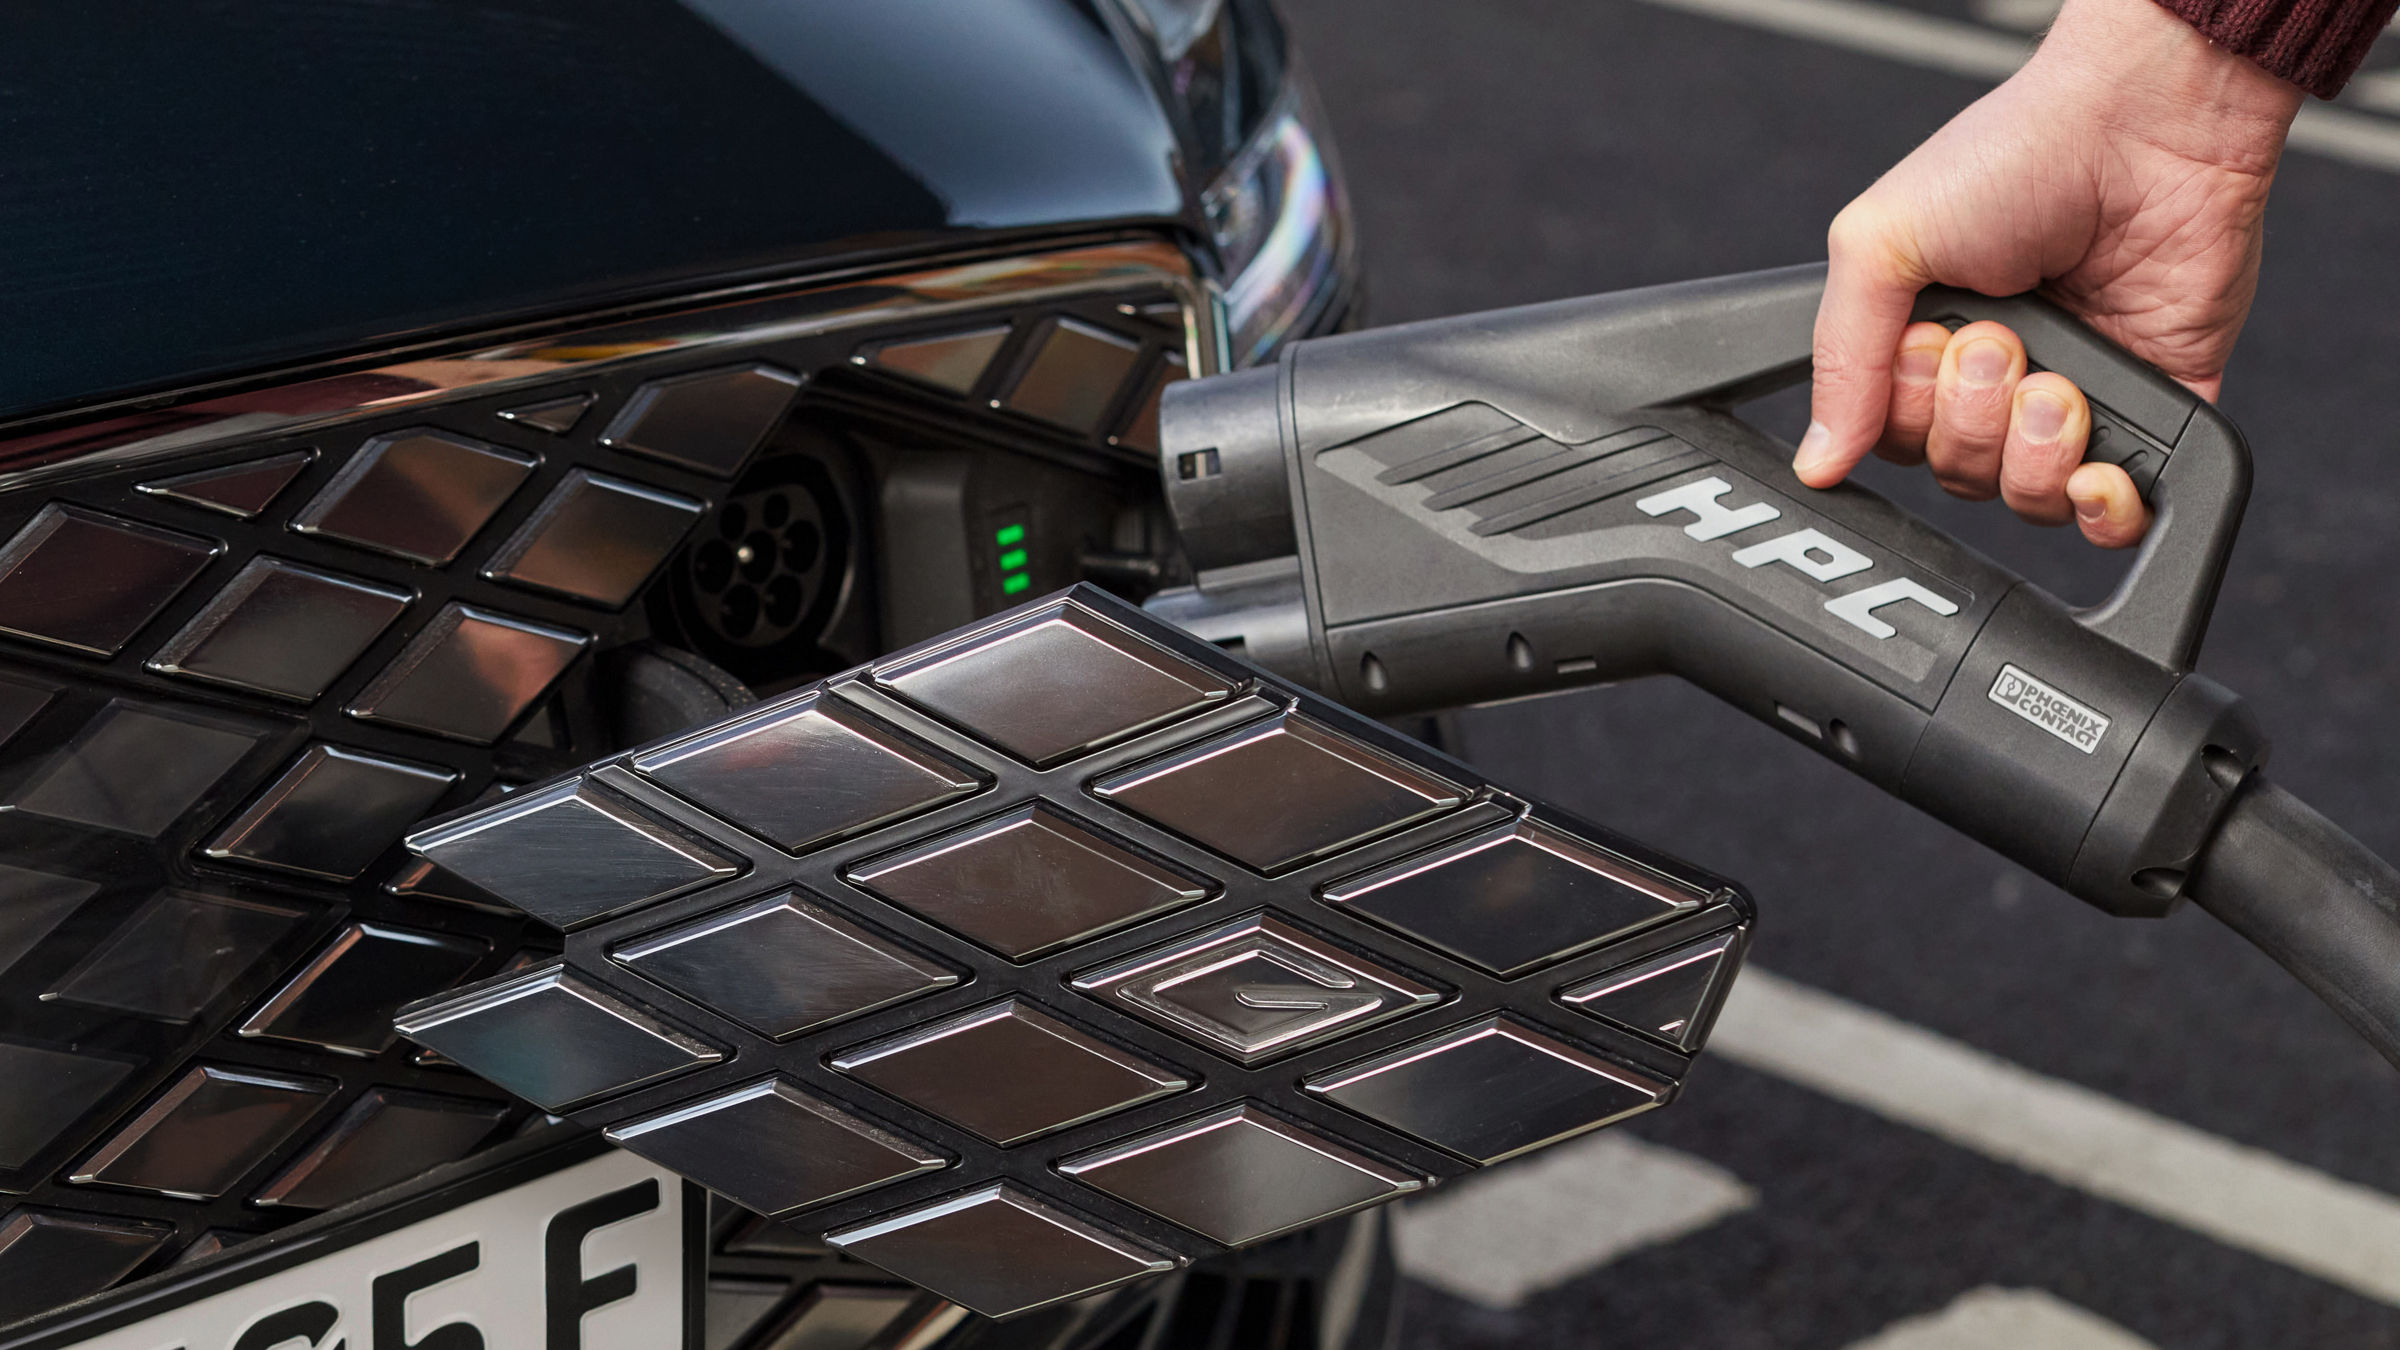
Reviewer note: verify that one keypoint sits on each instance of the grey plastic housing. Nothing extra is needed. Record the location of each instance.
(1528, 500)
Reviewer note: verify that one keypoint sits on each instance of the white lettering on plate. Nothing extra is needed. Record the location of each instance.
(595, 1249)
(2077, 724)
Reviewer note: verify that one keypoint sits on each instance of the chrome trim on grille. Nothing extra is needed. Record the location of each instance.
(752, 314)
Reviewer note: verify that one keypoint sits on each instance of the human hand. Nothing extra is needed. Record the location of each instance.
(2125, 168)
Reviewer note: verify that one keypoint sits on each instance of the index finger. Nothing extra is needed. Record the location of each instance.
(1869, 294)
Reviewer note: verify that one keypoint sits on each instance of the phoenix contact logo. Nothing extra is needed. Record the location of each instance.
(2076, 724)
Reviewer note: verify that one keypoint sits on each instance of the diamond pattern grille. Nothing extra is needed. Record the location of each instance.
(225, 691)
(1156, 1036)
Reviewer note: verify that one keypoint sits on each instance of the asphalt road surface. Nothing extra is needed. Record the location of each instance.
(1963, 1111)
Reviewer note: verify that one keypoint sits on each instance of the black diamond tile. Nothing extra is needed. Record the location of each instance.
(553, 1039)
(1490, 1090)
(386, 1137)
(1026, 882)
(773, 1148)
(757, 1235)
(1239, 1175)
(782, 966)
(206, 1132)
(135, 768)
(418, 494)
(240, 490)
(1513, 898)
(803, 771)
(570, 854)
(20, 702)
(332, 813)
(737, 1308)
(1141, 425)
(1074, 377)
(1672, 997)
(595, 539)
(44, 1091)
(344, 999)
(557, 416)
(49, 1257)
(1254, 989)
(1000, 1250)
(835, 1317)
(280, 628)
(710, 420)
(31, 904)
(1009, 1072)
(1280, 792)
(89, 581)
(177, 954)
(952, 361)
(470, 674)
(421, 880)
(1097, 683)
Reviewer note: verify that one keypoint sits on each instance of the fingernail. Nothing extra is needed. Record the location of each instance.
(2091, 511)
(1919, 363)
(1983, 362)
(2041, 416)
(1815, 448)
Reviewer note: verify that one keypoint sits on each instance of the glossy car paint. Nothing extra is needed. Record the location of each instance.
(200, 190)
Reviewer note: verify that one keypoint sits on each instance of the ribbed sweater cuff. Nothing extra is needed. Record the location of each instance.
(2315, 44)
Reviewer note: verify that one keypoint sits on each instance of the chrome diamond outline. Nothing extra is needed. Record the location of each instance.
(1348, 992)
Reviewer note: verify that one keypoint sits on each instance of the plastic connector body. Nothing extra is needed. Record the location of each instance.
(1497, 505)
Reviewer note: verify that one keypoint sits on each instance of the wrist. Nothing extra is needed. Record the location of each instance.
(2140, 68)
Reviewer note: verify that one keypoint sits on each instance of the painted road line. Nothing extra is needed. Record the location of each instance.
(2379, 90)
(2024, 16)
(1532, 1225)
(2243, 1197)
(1981, 53)
(2006, 1319)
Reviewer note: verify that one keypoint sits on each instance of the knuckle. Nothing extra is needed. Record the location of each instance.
(1831, 360)
(1962, 458)
(1970, 444)
(1857, 230)
(2035, 473)
(1974, 414)
(2035, 505)
(2030, 491)
(1838, 370)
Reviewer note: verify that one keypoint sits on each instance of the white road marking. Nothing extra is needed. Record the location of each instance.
(1981, 53)
(2005, 1319)
(2025, 16)
(2379, 90)
(2241, 1196)
(1531, 1225)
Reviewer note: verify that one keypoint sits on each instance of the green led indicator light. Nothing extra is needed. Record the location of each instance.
(1015, 559)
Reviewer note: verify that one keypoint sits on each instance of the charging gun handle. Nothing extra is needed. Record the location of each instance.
(1735, 338)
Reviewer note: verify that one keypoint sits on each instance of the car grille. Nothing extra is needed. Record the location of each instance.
(246, 641)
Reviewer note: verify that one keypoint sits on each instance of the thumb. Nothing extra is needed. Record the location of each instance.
(1869, 294)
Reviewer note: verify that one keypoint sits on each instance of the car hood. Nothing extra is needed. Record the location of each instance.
(232, 186)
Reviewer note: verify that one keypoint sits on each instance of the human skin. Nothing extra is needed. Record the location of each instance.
(2124, 170)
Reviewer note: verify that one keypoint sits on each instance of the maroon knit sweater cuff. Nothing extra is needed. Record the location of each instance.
(2316, 44)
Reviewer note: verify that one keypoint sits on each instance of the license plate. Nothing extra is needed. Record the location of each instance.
(580, 1247)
